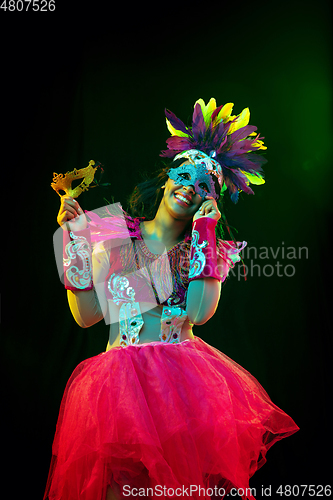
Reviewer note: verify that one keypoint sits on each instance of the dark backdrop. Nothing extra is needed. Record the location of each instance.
(91, 82)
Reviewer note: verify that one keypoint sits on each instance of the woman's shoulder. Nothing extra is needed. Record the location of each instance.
(113, 223)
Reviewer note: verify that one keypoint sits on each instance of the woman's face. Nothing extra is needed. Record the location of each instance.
(182, 202)
(199, 171)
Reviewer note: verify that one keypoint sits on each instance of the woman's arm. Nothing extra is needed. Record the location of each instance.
(90, 306)
(202, 299)
(205, 281)
(87, 306)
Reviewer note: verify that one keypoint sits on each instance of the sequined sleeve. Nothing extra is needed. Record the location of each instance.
(90, 307)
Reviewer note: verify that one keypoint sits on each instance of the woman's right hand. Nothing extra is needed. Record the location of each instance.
(71, 217)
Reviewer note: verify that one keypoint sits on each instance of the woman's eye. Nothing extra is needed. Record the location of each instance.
(185, 176)
(204, 186)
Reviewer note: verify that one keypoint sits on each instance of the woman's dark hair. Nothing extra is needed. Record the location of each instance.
(147, 196)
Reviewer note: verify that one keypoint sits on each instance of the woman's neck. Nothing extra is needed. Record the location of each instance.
(165, 229)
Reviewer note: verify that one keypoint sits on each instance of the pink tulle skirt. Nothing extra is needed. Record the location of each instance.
(169, 418)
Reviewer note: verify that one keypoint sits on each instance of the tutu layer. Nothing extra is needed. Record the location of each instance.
(161, 415)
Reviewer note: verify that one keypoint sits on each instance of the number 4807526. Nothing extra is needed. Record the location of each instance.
(25, 5)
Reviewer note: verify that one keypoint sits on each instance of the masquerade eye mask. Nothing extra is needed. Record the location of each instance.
(63, 182)
(199, 173)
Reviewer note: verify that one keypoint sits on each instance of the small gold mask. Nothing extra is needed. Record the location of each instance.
(63, 182)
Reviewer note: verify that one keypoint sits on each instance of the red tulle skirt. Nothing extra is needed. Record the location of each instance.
(175, 419)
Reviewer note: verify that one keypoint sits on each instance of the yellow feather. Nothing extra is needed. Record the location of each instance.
(253, 178)
(202, 104)
(259, 143)
(211, 105)
(209, 110)
(241, 121)
(225, 113)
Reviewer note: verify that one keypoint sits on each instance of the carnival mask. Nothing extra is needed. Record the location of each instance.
(199, 173)
(63, 182)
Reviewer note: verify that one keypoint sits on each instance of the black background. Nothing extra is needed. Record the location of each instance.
(91, 81)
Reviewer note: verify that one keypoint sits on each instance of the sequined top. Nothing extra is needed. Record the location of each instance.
(136, 276)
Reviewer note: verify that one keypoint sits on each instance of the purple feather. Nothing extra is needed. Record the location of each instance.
(241, 133)
(198, 123)
(245, 162)
(219, 135)
(236, 181)
(179, 143)
(176, 122)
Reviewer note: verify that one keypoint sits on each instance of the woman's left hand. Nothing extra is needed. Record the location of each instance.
(208, 209)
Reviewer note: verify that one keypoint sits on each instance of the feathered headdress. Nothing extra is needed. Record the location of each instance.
(228, 139)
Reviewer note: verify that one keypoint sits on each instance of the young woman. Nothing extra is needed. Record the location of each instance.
(160, 413)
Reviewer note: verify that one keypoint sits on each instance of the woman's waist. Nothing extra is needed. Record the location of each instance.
(135, 322)
(149, 333)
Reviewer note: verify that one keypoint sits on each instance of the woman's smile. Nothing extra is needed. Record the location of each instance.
(183, 199)
(183, 196)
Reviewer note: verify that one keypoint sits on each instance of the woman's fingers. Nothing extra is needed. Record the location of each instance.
(208, 206)
(205, 208)
(70, 210)
(209, 209)
(71, 206)
(67, 212)
(69, 202)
